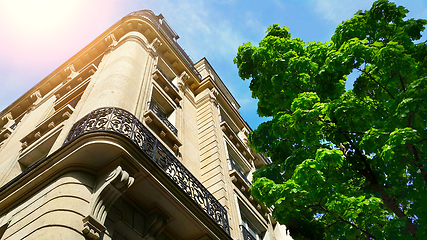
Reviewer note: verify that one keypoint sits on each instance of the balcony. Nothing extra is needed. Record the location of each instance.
(163, 75)
(36, 144)
(236, 141)
(123, 123)
(246, 234)
(166, 84)
(162, 116)
(240, 172)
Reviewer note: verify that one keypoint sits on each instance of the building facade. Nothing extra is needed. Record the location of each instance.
(129, 139)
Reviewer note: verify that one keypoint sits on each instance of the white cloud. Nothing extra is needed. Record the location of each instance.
(201, 27)
(252, 20)
(337, 11)
(340, 10)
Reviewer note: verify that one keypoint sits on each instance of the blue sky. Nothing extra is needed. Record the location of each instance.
(38, 36)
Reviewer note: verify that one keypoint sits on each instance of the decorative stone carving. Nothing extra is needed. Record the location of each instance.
(184, 76)
(51, 125)
(213, 97)
(162, 134)
(155, 44)
(7, 120)
(66, 115)
(181, 86)
(72, 71)
(111, 40)
(175, 147)
(37, 135)
(6, 135)
(36, 97)
(148, 120)
(92, 228)
(106, 192)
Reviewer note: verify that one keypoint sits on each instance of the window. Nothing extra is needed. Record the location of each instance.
(238, 163)
(160, 117)
(249, 231)
(166, 116)
(234, 165)
(126, 222)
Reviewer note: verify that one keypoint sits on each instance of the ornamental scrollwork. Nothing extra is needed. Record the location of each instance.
(119, 121)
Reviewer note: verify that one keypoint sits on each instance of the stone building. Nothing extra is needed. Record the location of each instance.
(129, 139)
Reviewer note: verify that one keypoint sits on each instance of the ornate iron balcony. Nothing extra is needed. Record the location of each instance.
(246, 234)
(159, 113)
(239, 170)
(110, 119)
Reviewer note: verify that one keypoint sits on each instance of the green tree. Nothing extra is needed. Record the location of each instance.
(346, 164)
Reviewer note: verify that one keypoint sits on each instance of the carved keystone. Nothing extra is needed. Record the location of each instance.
(108, 190)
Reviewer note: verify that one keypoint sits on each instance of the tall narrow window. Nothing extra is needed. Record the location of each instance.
(249, 231)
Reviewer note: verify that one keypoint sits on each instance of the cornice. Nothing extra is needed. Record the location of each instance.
(144, 22)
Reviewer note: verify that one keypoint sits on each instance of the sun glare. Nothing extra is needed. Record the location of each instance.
(34, 32)
(38, 16)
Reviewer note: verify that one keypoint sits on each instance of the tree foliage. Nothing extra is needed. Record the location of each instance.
(346, 164)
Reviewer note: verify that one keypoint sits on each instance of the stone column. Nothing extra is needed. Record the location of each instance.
(120, 76)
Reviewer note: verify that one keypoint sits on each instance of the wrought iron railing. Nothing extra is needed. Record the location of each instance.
(14, 125)
(266, 159)
(162, 115)
(164, 75)
(235, 166)
(116, 120)
(246, 234)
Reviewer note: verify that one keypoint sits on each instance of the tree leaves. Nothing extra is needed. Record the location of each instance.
(346, 164)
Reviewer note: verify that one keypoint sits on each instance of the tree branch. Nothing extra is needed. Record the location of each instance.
(350, 223)
(389, 201)
(401, 79)
(363, 71)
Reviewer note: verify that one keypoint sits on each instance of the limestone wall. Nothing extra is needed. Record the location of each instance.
(55, 212)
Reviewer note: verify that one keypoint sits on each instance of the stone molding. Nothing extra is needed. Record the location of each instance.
(107, 191)
(153, 46)
(72, 71)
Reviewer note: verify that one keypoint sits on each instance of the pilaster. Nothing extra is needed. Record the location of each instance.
(213, 166)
